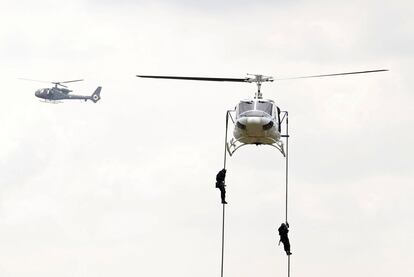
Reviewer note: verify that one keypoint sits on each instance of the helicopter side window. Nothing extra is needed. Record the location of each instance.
(245, 107)
(264, 106)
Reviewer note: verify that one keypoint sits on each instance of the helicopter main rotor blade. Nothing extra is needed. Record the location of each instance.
(334, 74)
(55, 83)
(64, 82)
(40, 81)
(196, 78)
(59, 84)
(69, 81)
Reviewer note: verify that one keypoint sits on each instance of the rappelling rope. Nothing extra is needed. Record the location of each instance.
(222, 240)
(287, 167)
(286, 186)
(224, 205)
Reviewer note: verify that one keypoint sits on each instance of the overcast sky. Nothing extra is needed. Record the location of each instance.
(125, 187)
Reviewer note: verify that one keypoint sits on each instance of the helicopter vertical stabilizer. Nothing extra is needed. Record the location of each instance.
(96, 96)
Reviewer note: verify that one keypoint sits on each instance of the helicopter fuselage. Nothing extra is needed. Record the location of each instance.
(54, 94)
(257, 122)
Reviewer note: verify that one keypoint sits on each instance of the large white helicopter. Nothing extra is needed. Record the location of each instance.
(256, 121)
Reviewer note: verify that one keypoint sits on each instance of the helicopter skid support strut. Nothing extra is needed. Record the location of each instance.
(233, 144)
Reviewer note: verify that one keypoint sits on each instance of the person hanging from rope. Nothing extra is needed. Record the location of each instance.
(220, 185)
(283, 233)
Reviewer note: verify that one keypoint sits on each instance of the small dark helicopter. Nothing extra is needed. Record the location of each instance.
(61, 92)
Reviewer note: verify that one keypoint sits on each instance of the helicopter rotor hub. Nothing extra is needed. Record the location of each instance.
(259, 79)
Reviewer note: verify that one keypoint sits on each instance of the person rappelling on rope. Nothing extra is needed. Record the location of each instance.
(283, 233)
(220, 185)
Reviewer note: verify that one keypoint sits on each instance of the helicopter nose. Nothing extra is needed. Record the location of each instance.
(252, 121)
(255, 125)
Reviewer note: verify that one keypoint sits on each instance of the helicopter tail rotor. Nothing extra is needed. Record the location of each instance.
(96, 96)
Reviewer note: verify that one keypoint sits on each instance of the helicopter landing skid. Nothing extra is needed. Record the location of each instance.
(50, 101)
(235, 144)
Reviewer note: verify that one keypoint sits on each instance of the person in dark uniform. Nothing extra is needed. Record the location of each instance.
(283, 233)
(220, 184)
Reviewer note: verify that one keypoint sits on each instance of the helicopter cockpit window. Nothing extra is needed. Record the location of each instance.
(245, 106)
(264, 106)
